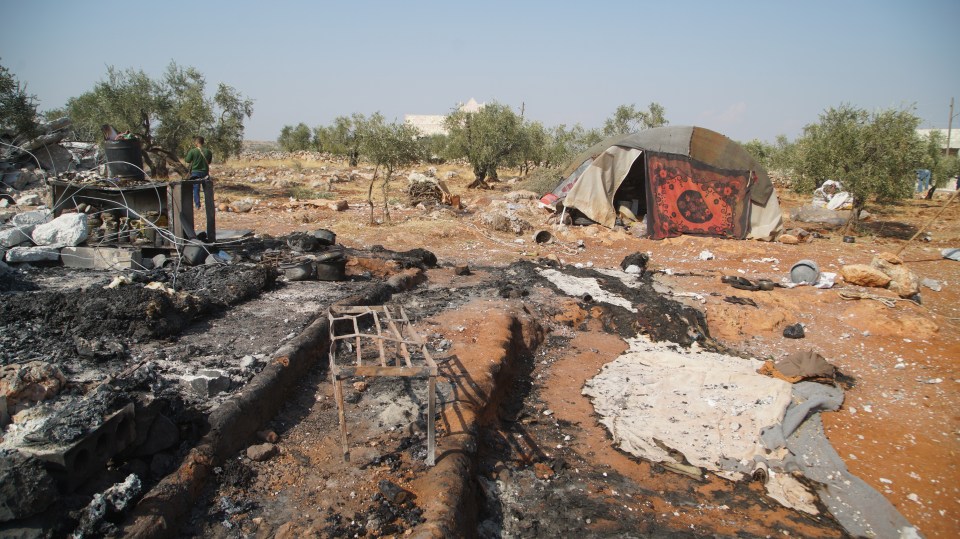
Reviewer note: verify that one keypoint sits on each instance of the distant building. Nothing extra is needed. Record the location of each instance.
(952, 146)
(433, 124)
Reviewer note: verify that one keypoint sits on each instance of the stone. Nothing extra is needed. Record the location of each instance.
(543, 471)
(30, 200)
(55, 158)
(262, 452)
(26, 488)
(208, 383)
(247, 362)
(107, 258)
(864, 275)
(903, 282)
(4, 268)
(242, 206)
(30, 219)
(340, 205)
(788, 239)
(11, 237)
(891, 258)
(70, 229)
(32, 254)
(461, 269)
(159, 260)
(24, 384)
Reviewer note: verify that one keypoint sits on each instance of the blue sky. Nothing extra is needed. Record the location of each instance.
(748, 69)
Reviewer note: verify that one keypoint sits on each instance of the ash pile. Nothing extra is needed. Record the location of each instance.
(107, 378)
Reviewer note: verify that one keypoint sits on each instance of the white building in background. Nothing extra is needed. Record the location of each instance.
(433, 124)
(952, 146)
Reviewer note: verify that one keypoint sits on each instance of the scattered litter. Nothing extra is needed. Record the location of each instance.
(117, 281)
(705, 255)
(951, 254)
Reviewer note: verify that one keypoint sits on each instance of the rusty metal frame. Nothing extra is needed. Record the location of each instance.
(391, 336)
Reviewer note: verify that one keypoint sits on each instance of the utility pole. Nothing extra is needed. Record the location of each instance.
(949, 127)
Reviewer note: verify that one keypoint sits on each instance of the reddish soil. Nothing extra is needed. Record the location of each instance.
(899, 429)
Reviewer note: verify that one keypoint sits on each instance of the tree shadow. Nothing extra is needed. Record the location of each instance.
(889, 229)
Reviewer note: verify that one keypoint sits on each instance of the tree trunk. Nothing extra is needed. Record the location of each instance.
(385, 189)
(480, 174)
(370, 193)
(354, 158)
(853, 223)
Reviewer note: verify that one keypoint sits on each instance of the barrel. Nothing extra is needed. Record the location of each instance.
(124, 159)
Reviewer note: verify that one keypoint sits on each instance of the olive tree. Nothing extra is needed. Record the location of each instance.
(293, 139)
(486, 138)
(343, 137)
(389, 146)
(164, 114)
(874, 155)
(18, 109)
(942, 167)
(628, 119)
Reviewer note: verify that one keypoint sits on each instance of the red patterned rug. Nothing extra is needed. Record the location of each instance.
(686, 196)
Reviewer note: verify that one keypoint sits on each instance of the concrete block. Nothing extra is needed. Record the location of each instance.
(32, 254)
(105, 258)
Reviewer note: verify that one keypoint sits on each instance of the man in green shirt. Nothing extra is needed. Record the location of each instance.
(198, 159)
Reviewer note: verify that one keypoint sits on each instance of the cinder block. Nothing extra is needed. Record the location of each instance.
(105, 258)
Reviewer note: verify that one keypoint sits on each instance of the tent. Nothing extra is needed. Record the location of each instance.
(684, 180)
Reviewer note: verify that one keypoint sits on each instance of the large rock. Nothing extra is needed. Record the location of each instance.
(26, 488)
(30, 200)
(11, 237)
(903, 282)
(815, 214)
(54, 158)
(32, 254)
(25, 384)
(68, 230)
(30, 219)
(864, 275)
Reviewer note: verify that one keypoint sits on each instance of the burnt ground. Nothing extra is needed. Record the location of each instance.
(135, 345)
(897, 430)
(539, 469)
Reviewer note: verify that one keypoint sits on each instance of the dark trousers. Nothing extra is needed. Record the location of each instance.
(196, 187)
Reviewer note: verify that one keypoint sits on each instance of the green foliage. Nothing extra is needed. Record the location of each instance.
(343, 137)
(433, 147)
(628, 119)
(18, 110)
(779, 155)
(541, 180)
(164, 114)
(389, 147)
(942, 167)
(488, 138)
(302, 192)
(874, 155)
(294, 139)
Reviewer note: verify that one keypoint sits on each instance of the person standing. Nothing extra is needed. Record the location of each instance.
(198, 159)
(923, 180)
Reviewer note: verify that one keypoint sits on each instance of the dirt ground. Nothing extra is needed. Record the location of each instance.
(545, 464)
(898, 428)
